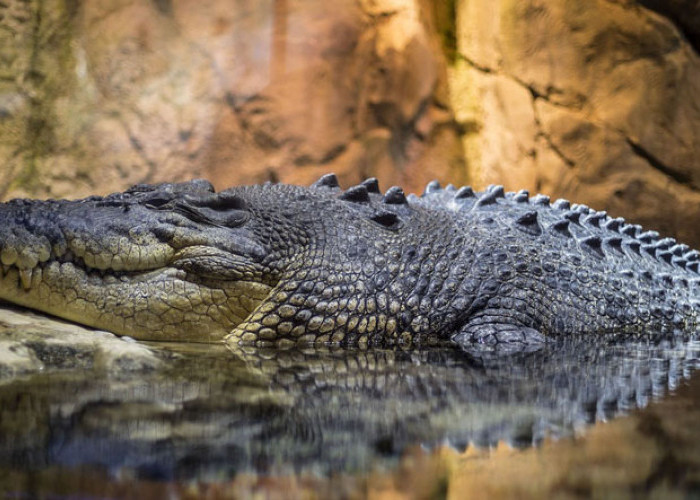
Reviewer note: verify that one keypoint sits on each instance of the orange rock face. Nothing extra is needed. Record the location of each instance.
(237, 92)
(594, 101)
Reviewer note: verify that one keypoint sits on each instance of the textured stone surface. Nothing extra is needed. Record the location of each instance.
(31, 343)
(595, 101)
(98, 95)
(684, 13)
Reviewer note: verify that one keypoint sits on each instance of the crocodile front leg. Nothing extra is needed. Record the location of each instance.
(492, 331)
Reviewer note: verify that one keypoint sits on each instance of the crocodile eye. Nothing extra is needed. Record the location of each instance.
(193, 186)
(229, 201)
(206, 215)
(223, 210)
(142, 188)
(222, 201)
(158, 201)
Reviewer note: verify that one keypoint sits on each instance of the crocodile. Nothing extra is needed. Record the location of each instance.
(279, 264)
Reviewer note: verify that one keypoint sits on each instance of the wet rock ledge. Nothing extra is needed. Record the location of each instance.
(31, 343)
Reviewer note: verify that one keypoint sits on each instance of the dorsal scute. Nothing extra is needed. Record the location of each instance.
(562, 227)
(665, 255)
(356, 194)
(679, 261)
(522, 196)
(665, 278)
(594, 219)
(692, 256)
(665, 243)
(395, 196)
(593, 244)
(573, 216)
(326, 181)
(372, 185)
(614, 242)
(497, 190)
(614, 224)
(490, 196)
(582, 209)
(529, 223)
(648, 237)
(679, 249)
(561, 204)
(464, 192)
(633, 245)
(387, 219)
(540, 199)
(432, 187)
(649, 249)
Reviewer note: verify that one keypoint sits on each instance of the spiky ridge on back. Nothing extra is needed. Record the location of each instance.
(595, 231)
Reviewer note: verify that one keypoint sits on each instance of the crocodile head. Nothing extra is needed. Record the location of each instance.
(160, 262)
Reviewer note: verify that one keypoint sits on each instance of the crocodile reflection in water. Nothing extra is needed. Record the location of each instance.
(207, 413)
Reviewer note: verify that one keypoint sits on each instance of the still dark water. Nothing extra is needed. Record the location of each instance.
(209, 414)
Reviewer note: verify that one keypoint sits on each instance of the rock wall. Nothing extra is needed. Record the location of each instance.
(595, 101)
(100, 94)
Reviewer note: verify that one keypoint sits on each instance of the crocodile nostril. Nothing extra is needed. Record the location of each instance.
(158, 200)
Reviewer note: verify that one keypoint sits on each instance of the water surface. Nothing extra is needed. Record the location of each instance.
(209, 414)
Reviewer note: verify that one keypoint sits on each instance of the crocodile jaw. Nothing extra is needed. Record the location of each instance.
(160, 304)
(162, 262)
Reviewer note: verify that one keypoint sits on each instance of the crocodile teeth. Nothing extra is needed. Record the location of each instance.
(8, 256)
(25, 275)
